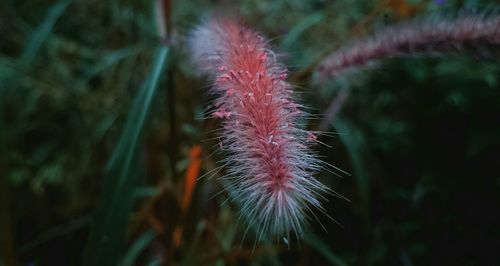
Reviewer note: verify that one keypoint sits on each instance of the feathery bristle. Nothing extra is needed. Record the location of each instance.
(270, 165)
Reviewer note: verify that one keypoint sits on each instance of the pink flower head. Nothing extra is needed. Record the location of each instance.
(270, 163)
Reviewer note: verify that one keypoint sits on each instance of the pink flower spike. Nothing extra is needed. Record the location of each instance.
(270, 165)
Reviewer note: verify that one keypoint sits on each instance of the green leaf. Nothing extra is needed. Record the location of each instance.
(295, 33)
(41, 33)
(109, 60)
(352, 138)
(106, 242)
(322, 248)
(136, 248)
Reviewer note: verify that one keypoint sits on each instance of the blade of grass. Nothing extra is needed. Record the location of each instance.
(134, 119)
(135, 250)
(119, 151)
(42, 32)
(295, 33)
(109, 60)
(56, 232)
(106, 242)
(13, 71)
(356, 147)
(322, 248)
(33, 44)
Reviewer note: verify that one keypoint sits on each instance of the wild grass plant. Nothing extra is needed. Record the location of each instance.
(118, 151)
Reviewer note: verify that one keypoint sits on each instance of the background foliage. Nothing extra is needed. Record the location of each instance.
(103, 138)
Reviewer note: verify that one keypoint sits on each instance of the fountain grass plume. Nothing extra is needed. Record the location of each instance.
(270, 163)
(478, 34)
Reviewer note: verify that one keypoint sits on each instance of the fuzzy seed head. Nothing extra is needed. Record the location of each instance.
(270, 165)
(477, 34)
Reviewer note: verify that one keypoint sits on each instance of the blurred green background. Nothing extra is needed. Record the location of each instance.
(101, 119)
